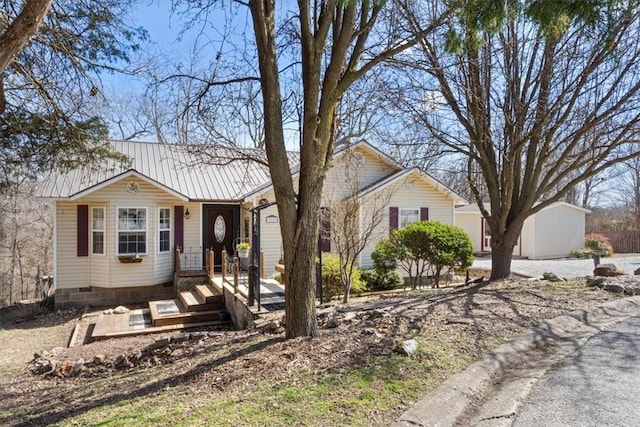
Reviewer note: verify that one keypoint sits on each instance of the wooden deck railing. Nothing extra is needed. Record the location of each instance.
(176, 260)
(209, 263)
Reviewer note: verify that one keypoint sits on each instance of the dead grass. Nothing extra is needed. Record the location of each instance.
(346, 376)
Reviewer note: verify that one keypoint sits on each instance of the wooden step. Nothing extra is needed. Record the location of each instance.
(209, 294)
(172, 312)
(193, 301)
(118, 325)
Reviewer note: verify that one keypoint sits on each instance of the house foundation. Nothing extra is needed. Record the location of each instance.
(96, 296)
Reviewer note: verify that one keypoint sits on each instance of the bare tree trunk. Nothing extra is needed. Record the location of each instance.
(501, 254)
(12, 270)
(23, 290)
(501, 261)
(300, 304)
(298, 224)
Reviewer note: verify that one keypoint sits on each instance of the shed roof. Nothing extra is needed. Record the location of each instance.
(473, 207)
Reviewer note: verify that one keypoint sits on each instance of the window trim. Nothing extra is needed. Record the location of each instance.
(103, 230)
(118, 231)
(160, 230)
(401, 210)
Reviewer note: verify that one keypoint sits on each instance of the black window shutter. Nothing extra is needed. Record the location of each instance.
(393, 219)
(83, 230)
(178, 224)
(424, 214)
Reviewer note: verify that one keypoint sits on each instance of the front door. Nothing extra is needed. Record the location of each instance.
(220, 228)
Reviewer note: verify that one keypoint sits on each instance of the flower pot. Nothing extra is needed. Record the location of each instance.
(243, 253)
(127, 259)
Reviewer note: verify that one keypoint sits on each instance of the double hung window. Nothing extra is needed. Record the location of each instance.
(164, 230)
(408, 216)
(97, 231)
(132, 231)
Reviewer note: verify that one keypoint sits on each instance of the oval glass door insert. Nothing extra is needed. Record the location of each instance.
(219, 228)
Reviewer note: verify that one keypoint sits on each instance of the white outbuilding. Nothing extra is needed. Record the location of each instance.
(553, 232)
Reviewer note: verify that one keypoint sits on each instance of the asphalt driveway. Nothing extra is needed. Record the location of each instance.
(565, 267)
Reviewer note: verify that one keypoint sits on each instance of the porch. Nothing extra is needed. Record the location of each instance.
(204, 299)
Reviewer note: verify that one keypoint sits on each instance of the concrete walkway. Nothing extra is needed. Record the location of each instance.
(565, 267)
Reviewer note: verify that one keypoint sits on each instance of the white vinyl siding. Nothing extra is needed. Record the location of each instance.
(344, 178)
(97, 231)
(406, 197)
(132, 231)
(71, 271)
(107, 271)
(164, 230)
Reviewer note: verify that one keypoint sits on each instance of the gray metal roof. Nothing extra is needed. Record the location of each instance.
(207, 173)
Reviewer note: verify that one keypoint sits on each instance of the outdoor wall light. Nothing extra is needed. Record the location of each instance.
(187, 214)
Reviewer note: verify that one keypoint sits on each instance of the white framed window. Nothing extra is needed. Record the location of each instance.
(132, 231)
(97, 231)
(164, 230)
(408, 216)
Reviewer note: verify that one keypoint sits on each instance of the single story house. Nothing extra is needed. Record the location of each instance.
(117, 226)
(553, 232)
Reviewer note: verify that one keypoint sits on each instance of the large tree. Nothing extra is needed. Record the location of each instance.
(537, 99)
(337, 42)
(52, 54)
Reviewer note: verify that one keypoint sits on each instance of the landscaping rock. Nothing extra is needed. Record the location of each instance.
(99, 359)
(597, 282)
(123, 362)
(272, 327)
(332, 322)
(120, 310)
(607, 270)
(618, 288)
(57, 351)
(198, 335)
(41, 366)
(159, 343)
(408, 347)
(636, 272)
(180, 338)
(552, 277)
(461, 320)
(632, 288)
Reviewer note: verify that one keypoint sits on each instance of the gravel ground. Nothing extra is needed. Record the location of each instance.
(564, 267)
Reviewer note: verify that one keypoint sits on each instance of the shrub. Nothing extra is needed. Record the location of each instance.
(578, 253)
(384, 256)
(440, 247)
(598, 242)
(332, 285)
(19, 312)
(381, 280)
